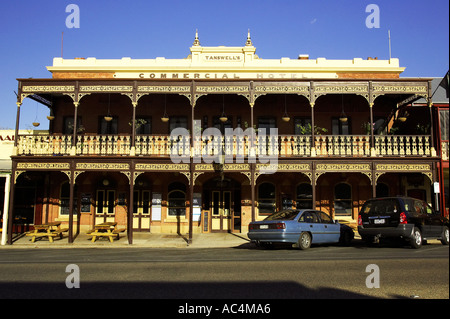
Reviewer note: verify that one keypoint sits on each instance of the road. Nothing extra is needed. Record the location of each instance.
(227, 273)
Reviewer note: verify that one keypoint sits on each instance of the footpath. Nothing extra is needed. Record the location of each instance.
(148, 240)
(82, 240)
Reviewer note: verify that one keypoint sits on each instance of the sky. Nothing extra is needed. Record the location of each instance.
(31, 32)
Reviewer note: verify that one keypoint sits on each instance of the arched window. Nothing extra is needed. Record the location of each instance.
(266, 199)
(343, 200)
(304, 196)
(177, 199)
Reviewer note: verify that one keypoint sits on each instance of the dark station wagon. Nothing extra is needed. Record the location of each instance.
(401, 217)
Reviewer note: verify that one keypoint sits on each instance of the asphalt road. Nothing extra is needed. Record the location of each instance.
(226, 273)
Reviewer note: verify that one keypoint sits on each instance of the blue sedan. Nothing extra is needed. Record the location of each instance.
(299, 227)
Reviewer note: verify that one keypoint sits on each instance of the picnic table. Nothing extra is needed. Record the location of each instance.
(108, 229)
(49, 230)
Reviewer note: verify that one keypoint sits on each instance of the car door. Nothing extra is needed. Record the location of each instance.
(433, 221)
(309, 222)
(331, 232)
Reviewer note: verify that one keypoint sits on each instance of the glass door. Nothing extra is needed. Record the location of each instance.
(141, 210)
(105, 210)
(221, 210)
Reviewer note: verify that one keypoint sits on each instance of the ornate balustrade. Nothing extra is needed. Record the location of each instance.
(280, 145)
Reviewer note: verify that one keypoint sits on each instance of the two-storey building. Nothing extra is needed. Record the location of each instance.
(110, 154)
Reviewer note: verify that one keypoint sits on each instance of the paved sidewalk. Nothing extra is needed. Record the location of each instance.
(207, 240)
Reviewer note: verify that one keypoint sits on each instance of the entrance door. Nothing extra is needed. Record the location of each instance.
(221, 210)
(222, 203)
(141, 210)
(105, 211)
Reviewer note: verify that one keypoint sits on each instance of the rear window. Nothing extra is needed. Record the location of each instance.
(283, 215)
(411, 205)
(381, 207)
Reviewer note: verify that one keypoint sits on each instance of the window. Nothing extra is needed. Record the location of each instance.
(308, 217)
(68, 125)
(325, 219)
(304, 196)
(177, 199)
(267, 123)
(267, 143)
(343, 200)
(65, 199)
(288, 214)
(217, 123)
(385, 206)
(177, 121)
(108, 127)
(443, 120)
(106, 202)
(143, 125)
(302, 125)
(266, 199)
(142, 202)
(340, 128)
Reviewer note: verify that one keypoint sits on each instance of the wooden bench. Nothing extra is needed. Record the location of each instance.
(49, 230)
(105, 230)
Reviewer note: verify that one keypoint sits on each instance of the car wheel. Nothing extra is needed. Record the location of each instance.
(445, 236)
(416, 239)
(304, 242)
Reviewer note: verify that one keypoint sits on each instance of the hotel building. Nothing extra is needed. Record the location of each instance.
(110, 155)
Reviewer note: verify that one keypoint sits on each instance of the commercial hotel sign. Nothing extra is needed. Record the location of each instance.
(220, 75)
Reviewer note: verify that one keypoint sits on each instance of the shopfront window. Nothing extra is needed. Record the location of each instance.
(343, 200)
(266, 199)
(304, 196)
(177, 199)
(65, 199)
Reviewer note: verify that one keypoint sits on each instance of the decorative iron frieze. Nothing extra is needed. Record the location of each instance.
(103, 166)
(162, 167)
(43, 166)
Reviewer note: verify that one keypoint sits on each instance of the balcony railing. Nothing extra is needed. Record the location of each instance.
(280, 145)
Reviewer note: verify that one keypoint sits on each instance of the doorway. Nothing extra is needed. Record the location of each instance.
(223, 201)
(141, 210)
(105, 206)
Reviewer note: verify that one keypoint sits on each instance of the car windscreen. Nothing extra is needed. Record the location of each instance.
(381, 207)
(283, 215)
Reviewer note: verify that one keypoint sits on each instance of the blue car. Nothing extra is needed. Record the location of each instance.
(300, 228)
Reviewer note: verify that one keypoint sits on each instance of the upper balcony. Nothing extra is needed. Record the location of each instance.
(380, 122)
(280, 145)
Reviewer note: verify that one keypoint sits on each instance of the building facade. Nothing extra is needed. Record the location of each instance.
(253, 136)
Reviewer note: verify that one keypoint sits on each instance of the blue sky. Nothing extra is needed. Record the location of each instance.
(30, 34)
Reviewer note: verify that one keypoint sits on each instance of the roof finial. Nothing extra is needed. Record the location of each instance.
(196, 41)
(249, 40)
